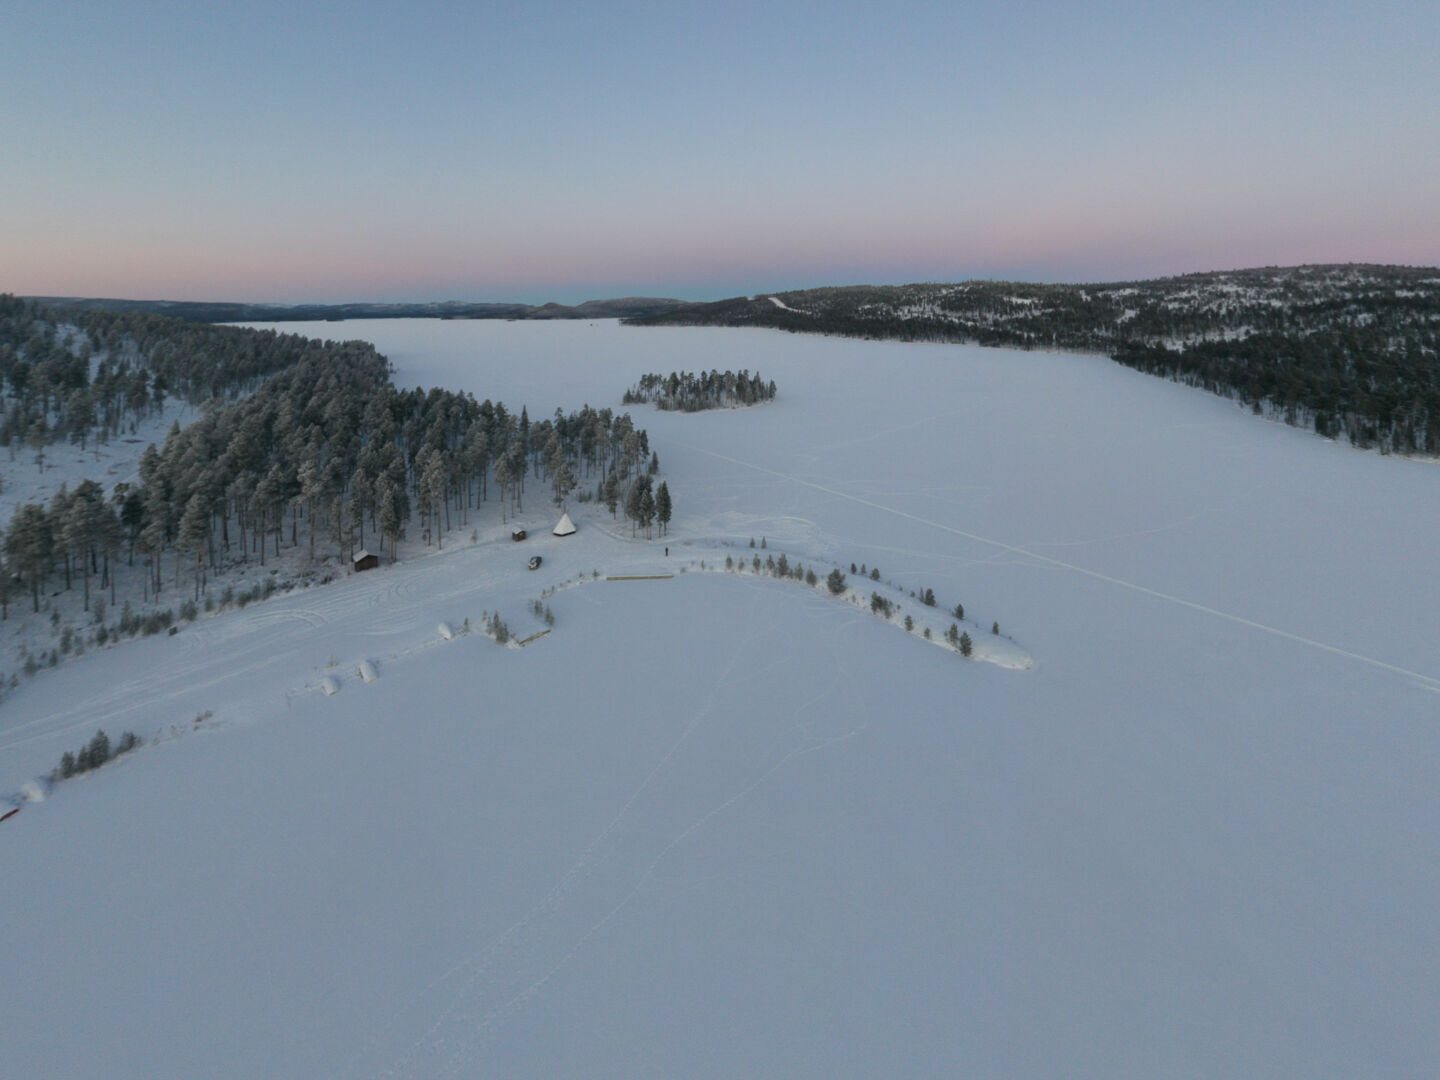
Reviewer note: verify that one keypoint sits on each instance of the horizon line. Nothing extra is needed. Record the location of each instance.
(764, 292)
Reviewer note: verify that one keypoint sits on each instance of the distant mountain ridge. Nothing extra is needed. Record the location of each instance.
(1350, 350)
(1172, 311)
(219, 311)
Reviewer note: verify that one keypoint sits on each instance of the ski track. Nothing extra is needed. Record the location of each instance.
(254, 643)
(492, 1021)
(1429, 681)
(821, 451)
(513, 946)
(809, 743)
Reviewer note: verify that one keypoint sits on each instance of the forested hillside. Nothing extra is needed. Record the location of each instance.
(301, 444)
(1348, 350)
(93, 374)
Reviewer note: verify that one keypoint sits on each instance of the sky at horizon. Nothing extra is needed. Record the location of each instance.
(566, 151)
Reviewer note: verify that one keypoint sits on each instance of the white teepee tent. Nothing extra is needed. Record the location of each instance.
(565, 526)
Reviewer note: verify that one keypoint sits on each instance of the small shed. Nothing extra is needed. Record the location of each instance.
(517, 534)
(565, 526)
(365, 560)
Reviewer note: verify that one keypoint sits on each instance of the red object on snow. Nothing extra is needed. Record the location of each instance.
(9, 813)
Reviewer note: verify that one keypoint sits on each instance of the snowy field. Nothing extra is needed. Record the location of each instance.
(724, 826)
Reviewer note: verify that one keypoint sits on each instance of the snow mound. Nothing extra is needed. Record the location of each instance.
(330, 685)
(368, 672)
(31, 791)
(446, 631)
(1002, 652)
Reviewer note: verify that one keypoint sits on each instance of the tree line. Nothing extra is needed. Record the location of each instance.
(1344, 383)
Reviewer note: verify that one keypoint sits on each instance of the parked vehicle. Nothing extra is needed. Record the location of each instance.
(534, 562)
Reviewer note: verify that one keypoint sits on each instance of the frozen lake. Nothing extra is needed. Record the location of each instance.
(886, 453)
(721, 826)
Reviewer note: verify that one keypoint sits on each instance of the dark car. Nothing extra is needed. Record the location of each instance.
(534, 562)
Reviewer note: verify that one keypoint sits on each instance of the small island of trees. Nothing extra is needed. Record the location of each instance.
(712, 389)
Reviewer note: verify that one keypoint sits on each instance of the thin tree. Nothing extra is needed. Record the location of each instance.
(28, 544)
(194, 531)
(663, 507)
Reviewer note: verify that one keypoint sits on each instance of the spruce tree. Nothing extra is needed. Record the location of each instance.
(612, 492)
(634, 503)
(28, 543)
(562, 480)
(99, 749)
(663, 507)
(647, 508)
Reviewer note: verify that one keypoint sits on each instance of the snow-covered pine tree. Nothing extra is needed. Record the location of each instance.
(663, 507)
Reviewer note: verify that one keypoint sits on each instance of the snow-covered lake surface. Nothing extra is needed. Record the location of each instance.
(724, 826)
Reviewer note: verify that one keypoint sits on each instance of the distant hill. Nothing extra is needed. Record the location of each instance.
(218, 312)
(1350, 350)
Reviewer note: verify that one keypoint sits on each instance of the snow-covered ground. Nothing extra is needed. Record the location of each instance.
(718, 825)
(25, 632)
(23, 480)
